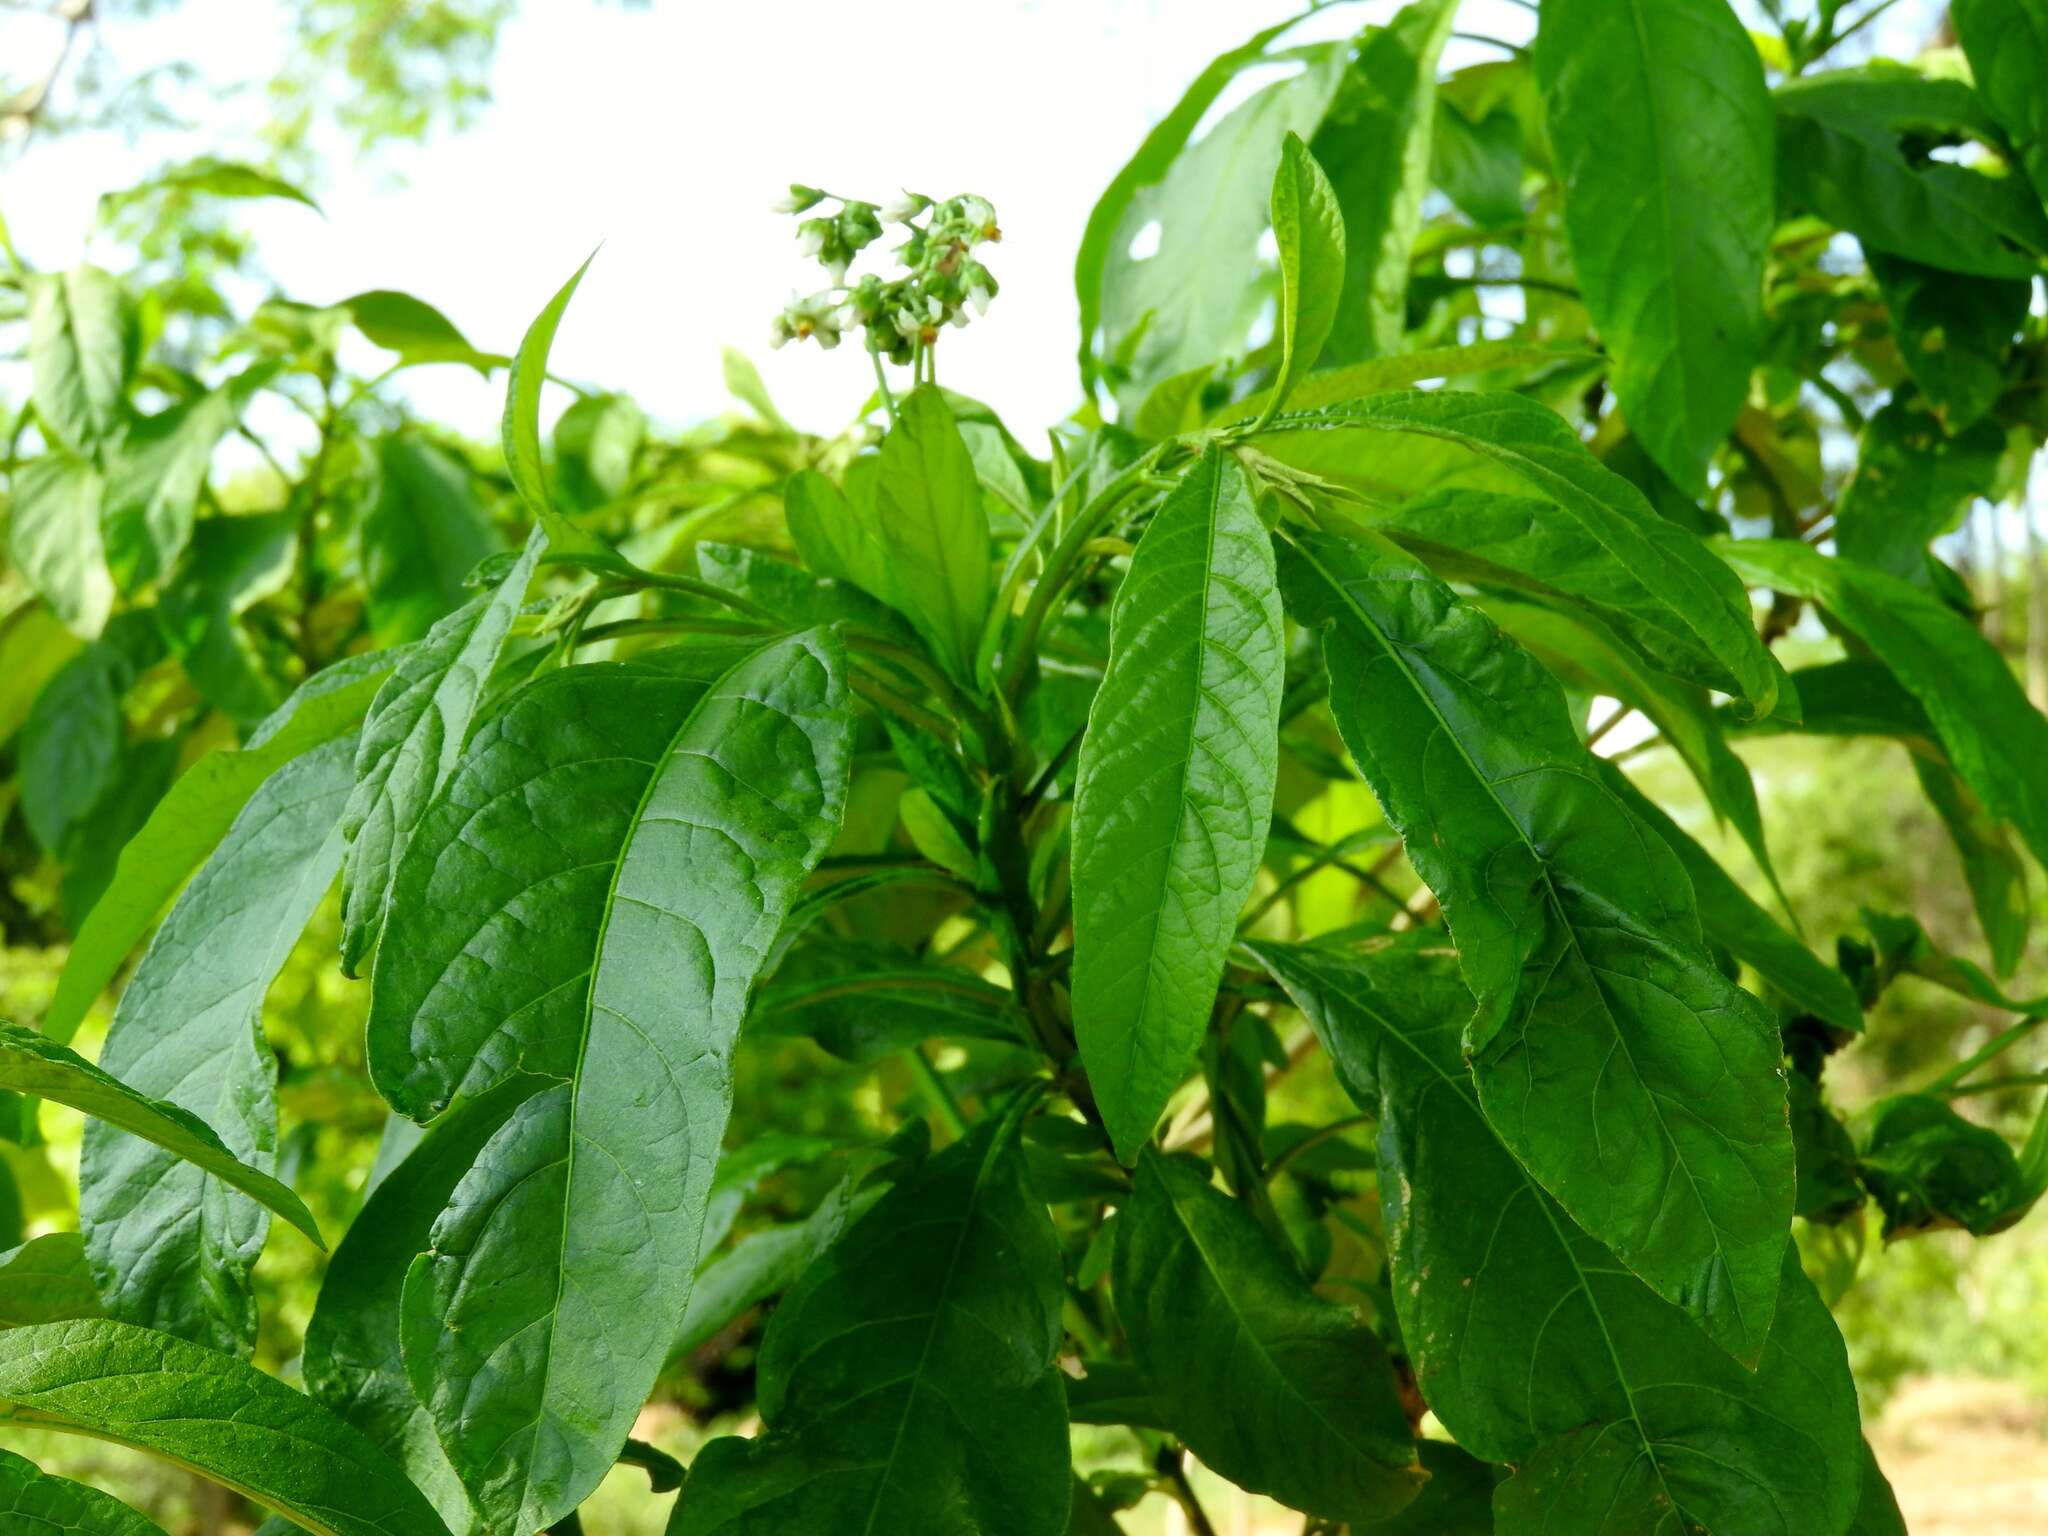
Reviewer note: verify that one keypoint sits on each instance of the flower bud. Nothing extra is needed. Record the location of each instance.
(811, 236)
(799, 199)
(905, 207)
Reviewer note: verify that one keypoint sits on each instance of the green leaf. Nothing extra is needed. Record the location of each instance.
(53, 538)
(1912, 482)
(1992, 866)
(232, 564)
(2006, 42)
(1375, 143)
(1112, 213)
(1905, 949)
(1994, 737)
(352, 1360)
(33, 1503)
(522, 427)
(421, 537)
(72, 743)
(1476, 161)
(415, 330)
(411, 742)
(837, 539)
(1173, 244)
(46, 1280)
(1528, 1340)
(1175, 791)
(743, 383)
(1310, 234)
(591, 901)
(155, 471)
(1928, 1168)
(933, 530)
(1878, 1514)
(34, 647)
(31, 1064)
(1276, 1389)
(1828, 1187)
(1662, 129)
(1354, 381)
(82, 346)
(1954, 334)
(1848, 150)
(863, 1001)
(211, 1414)
(168, 1248)
(1578, 934)
(1729, 918)
(907, 1383)
(192, 817)
(1597, 540)
(209, 176)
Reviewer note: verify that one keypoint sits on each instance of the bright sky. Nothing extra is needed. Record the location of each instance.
(666, 132)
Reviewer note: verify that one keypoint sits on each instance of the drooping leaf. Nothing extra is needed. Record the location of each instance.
(1528, 1340)
(1913, 481)
(192, 817)
(1278, 1390)
(1175, 791)
(46, 1280)
(1578, 933)
(34, 1503)
(82, 345)
(411, 742)
(907, 1382)
(1662, 127)
(933, 530)
(1310, 234)
(53, 538)
(352, 1361)
(421, 538)
(1927, 1167)
(591, 901)
(31, 1064)
(1375, 144)
(1954, 333)
(1994, 737)
(1846, 152)
(2006, 42)
(212, 1414)
(169, 1247)
(1591, 536)
(156, 469)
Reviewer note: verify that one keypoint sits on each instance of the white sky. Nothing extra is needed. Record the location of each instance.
(666, 132)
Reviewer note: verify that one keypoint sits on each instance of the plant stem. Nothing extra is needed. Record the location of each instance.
(882, 379)
(1994, 1048)
(935, 1089)
(1173, 1462)
(1315, 1139)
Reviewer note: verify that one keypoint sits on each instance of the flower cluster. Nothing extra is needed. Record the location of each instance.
(941, 284)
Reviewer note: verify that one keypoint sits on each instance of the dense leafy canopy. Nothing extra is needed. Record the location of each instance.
(929, 892)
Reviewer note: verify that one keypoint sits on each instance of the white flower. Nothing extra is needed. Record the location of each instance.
(797, 199)
(826, 337)
(908, 326)
(959, 318)
(810, 236)
(779, 332)
(904, 208)
(978, 297)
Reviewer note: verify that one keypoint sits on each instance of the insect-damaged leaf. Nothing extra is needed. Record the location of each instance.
(1528, 1340)
(1175, 791)
(907, 1382)
(1640, 1086)
(590, 901)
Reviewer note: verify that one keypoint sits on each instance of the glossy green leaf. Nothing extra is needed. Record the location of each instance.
(31, 1064)
(1591, 536)
(1913, 481)
(1309, 232)
(352, 1361)
(156, 470)
(1175, 791)
(1476, 162)
(1994, 737)
(1848, 151)
(33, 1503)
(591, 902)
(1375, 143)
(82, 346)
(415, 330)
(421, 537)
(411, 742)
(1662, 127)
(1729, 918)
(1878, 1514)
(209, 176)
(1278, 1390)
(1954, 333)
(193, 817)
(521, 432)
(53, 539)
(837, 541)
(1355, 381)
(1927, 1167)
(1579, 936)
(46, 1280)
(933, 531)
(1528, 1340)
(907, 1382)
(211, 1414)
(2006, 42)
(168, 1246)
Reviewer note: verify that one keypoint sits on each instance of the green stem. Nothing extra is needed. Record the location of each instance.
(935, 1089)
(618, 629)
(886, 698)
(622, 570)
(882, 379)
(1993, 1049)
(1315, 1139)
(1999, 1084)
